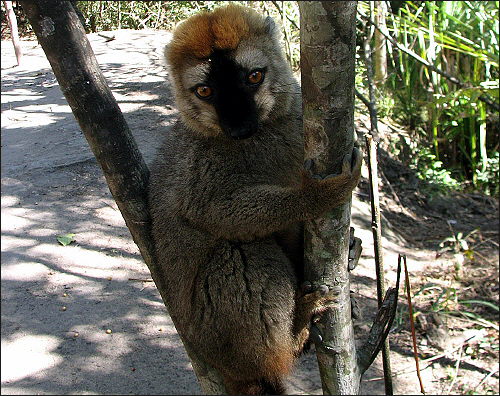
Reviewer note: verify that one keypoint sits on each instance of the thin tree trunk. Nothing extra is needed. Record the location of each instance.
(65, 44)
(380, 43)
(11, 17)
(328, 65)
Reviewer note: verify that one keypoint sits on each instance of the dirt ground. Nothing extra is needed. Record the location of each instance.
(85, 319)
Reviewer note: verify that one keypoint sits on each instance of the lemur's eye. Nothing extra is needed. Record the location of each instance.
(203, 91)
(256, 76)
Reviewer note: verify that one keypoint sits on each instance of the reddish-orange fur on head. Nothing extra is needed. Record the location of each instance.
(222, 29)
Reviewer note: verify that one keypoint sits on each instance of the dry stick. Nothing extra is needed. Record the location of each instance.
(483, 242)
(375, 209)
(457, 366)
(484, 258)
(406, 370)
(371, 89)
(377, 244)
(407, 281)
(483, 98)
(141, 279)
(394, 194)
(495, 370)
(108, 38)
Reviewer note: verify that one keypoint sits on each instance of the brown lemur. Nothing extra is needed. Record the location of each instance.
(228, 195)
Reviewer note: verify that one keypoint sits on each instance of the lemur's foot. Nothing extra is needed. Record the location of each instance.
(354, 250)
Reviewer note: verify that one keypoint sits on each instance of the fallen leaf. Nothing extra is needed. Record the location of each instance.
(65, 239)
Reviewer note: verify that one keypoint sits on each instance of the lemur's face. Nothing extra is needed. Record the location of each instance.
(228, 73)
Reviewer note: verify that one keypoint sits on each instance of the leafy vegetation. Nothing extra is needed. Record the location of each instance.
(111, 15)
(452, 125)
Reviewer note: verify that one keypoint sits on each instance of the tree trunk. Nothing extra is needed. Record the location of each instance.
(65, 44)
(328, 69)
(11, 17)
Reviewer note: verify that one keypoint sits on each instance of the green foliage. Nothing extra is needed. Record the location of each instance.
(469, 303)
(488, 180)
(110, 15)
(441, 298)
(460, 38)
(457, 243)
(431, 170)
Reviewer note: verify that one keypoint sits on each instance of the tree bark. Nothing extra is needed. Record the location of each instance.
(328, 70)
(63, 39)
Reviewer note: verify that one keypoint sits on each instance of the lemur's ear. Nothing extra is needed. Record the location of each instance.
(268, 24)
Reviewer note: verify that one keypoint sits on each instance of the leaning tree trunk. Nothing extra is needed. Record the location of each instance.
(63, 39)
(327, 57)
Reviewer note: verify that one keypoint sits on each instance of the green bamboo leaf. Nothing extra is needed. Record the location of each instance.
(481, 302)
